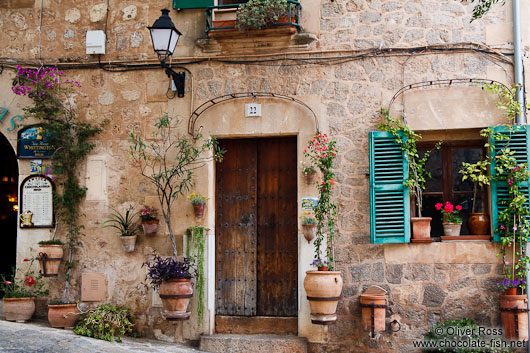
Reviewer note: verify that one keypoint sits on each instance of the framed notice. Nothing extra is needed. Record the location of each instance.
(33, 143)
(36, 202)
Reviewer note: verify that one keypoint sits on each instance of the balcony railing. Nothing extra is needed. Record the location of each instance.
(293, 17)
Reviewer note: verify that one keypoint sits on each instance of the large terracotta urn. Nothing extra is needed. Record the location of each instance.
(323, 289)
(50, 257)
(19, 309)
(514, 317)
(63, 315)
(176, 295)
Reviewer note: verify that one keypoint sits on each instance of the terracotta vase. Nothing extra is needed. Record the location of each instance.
(309, 177)
(379, 313)
(128, 243)
(176, 295)
(478, 224)
(309, 231)
(452, 229)
(421, 227)
(19, 309)
(323, 290)
(510, 291)
(150, 227)
(50, 257)
(323, 268)
(63, 315)
(198, 209)
(514, 322)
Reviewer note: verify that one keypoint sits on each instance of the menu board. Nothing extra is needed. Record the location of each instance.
(36, 196)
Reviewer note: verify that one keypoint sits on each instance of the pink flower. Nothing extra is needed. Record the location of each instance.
(502, 227)
(448, 208)
(514, 227)
(458, 208)
(7, 282)
(438, 206)
(507, 263)
(26, 259)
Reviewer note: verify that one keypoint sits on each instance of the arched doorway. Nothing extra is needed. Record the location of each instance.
(8, 206)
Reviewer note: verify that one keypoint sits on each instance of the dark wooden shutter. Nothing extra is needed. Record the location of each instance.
(389, 198)
(192, 4)
(517, 142)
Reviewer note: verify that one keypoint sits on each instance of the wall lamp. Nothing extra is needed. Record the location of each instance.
(165, 36)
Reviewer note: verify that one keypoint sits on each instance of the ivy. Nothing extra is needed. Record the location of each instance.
(195, 250)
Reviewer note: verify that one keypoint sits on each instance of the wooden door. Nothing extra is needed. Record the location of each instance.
(256, 228)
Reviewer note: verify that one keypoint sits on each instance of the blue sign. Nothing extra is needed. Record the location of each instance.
(33, 143)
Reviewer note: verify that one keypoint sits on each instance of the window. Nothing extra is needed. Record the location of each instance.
(446, 182)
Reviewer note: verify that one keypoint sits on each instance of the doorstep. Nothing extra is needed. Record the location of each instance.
(224, 343)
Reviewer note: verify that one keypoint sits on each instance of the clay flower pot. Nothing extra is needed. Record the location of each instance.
(309, 231)
(19, 309)
(63, 315)
(323, 290)
(176, 295)
(478, 224)
(198, 209)
(128, 243)
(510, 291)
(50, 257)
(452, 229)
(421, 227)
(514, 317)
(150, 227)
(373, 307)
(309, 177)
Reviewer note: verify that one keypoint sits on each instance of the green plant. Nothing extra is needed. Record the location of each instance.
(29, 286)
(476, 173)
(258, 14)
(408, 139)
(107, 322)
(60, 302)
(306, 169)
(321, 151)
(483, 7)
(169, 162)
(308, 218)
(53, 103)
(197, 198)
(51, 242)
(124, 224)
(195, 250)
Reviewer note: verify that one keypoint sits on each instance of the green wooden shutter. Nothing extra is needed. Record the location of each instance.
(389, 198)
(192, 4)
(499, 189)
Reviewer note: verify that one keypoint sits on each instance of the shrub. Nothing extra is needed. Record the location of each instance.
(106, 322)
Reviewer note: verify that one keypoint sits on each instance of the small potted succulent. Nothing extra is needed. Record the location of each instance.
(126, 226)
(172, 279)
(50, 256)
(199, 204)
(19, 294)
(451, 222)
(309, 225)
(309, 172)
(149, 221)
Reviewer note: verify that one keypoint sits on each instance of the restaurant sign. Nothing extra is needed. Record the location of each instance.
(33, 143)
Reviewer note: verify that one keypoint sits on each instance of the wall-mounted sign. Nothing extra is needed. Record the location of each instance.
(252, 110)
(309, 203)
(3, 112)
(36, 202)
(33, 143)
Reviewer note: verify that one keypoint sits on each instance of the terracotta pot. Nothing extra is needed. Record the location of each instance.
(323, 290)
(478, 224)
(379, 313)
(198, 209)
(323, 268)
(510, 291)
(150, 227)
(309, 177)
(19, 309)
(50, 257)
(452, 229)
(176, 295)
(128, 243)
(309, 231)
(508, 317)
(421, 227)
(63, 315)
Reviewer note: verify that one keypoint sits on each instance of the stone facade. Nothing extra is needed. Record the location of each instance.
(345, 85)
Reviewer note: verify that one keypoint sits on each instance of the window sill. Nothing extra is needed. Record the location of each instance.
(467, 238)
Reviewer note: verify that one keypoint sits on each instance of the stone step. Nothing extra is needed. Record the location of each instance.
(230, 343)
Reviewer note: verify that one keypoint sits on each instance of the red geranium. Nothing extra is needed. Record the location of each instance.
(29, 281)
(449, 212)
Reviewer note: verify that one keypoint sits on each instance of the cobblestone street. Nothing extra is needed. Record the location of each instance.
(40, 338)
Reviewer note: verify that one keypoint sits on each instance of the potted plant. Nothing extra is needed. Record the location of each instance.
(63, 314)
(259, 14)
(199, 204)
(451, 222)
(478, 222)
(309, 226)
(50, 256)
(149, 221)
(19, 294)
(172, 279)
(418, 174)
(106, 322)
(126, 226)
(323, 287)
(309, 172)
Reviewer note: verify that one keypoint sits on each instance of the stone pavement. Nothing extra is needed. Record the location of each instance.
(38, 337)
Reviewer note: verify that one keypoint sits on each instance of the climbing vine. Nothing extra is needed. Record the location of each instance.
(195, 250)
(54, 104)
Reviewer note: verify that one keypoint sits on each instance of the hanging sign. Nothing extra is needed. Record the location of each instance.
(36, 202)
(309, 203)
(33, 143)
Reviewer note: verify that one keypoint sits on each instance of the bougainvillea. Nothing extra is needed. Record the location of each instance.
(321, 151)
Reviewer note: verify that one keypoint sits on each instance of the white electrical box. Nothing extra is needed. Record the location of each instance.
(95, 42)
(252, 110)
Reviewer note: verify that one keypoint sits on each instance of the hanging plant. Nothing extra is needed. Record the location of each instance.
(195, 250)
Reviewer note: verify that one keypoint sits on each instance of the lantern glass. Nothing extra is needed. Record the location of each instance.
(164, 35)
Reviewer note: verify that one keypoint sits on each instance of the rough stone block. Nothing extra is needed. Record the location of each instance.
(433, 295)
(394, 273)
(360, 273)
